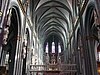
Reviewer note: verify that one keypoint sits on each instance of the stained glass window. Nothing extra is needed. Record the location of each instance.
(53, 47)
(46, 49)
(59, 48)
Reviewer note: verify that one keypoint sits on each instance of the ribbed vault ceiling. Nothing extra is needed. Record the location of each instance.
(53, 17)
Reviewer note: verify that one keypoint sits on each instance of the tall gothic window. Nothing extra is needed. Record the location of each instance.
(46, 49)
(53, 47)
(59, 48)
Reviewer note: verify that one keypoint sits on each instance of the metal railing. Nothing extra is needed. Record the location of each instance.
(60, 68)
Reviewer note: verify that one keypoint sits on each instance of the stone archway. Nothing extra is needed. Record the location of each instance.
(10, 40)
(91, 36)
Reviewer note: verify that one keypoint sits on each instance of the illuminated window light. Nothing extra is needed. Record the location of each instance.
(53, 47)
(46, 50)
(59, 48)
